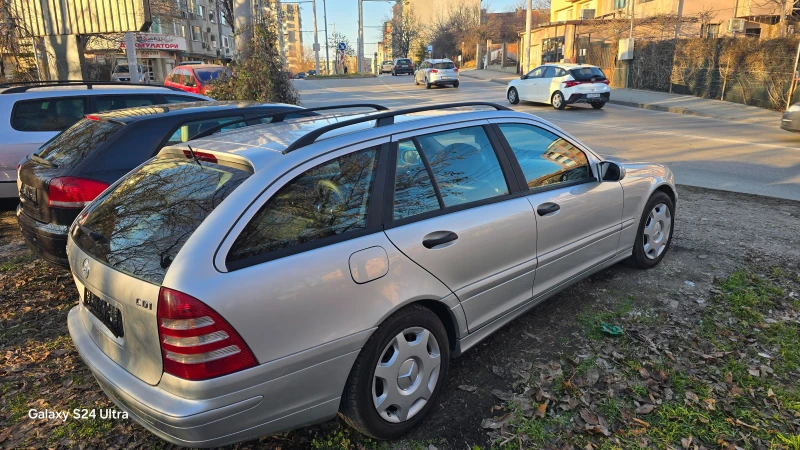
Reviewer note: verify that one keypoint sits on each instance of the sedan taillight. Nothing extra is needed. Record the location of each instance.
(571, 83)
(73, 192)
(196, 342)
(434, 71)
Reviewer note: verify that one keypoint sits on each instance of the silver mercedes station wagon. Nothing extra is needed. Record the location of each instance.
(266, 278)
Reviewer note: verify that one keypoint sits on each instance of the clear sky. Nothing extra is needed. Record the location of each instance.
(343, 17)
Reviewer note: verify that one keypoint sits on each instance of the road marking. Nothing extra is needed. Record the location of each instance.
(669, 133)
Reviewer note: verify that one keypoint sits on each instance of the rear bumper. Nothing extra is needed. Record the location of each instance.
(791, 122)
(439, 81)
(581, 98)
(46, 239)
(290, 401)
(399, 70)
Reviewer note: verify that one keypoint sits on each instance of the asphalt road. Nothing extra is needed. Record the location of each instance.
(703, 152)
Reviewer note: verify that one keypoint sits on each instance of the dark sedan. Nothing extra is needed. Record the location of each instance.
(73, 168)
(791, 119)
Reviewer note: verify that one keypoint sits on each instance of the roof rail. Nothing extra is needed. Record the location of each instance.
(381, 120)
(279, 116)
(24, 86)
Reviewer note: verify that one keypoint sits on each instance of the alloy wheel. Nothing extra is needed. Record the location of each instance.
(406, 375)
(656, 231)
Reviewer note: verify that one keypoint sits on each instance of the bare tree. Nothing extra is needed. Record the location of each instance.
(782, 8)
(226, 7)
(405, 33)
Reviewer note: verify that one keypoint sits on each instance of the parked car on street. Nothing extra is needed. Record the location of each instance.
(273, 276)
(561, 85)
(436, 72)
(791, 119)
(401, 66)
(122, 73)
(312, 72)
(37, 112)
(71, 170)
(387, 67)
(301, 75)
(196, 78)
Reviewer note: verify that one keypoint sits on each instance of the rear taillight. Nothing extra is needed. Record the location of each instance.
(73, 192)
(196, 342)
(434, 71)
(606, 81)
(455, 70)
(202, 156)
(571, 83)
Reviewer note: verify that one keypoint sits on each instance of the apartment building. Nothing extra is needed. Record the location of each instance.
(292, 35)
(743, 17)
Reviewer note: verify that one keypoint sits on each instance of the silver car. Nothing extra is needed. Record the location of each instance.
(436, 72)
(271, 277)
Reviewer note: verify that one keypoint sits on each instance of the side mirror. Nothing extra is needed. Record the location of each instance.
(611, 171)
(524, 77)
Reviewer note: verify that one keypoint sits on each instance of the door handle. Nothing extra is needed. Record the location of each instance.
(438, 238)
(547, 208)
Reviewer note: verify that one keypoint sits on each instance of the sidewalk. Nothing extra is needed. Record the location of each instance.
(660, 101)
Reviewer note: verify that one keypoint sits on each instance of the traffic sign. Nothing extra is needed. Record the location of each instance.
(342, 46)
(430, 49)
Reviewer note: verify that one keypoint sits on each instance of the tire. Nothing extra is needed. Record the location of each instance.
(358, 407)
(598, 105)
(557, 100)
(427, 84)
(512, 96)
(394, 74)
(416, 83)
(648, 255)
(455, 85)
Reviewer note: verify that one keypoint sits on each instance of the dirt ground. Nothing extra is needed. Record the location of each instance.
(716, 234)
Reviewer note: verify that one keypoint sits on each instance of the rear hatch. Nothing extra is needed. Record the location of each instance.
(446, 70)
(56, 158)
(591, 79)
(123, 244)
(402, 64)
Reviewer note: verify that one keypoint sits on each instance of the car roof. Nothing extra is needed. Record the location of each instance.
(38, 91)
(568, 65)
(439, 60)
(261, 145)
(177, 109)
(201, 66)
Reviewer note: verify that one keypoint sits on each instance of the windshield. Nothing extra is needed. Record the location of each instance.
(121, 69)
(78, 141)
(140, 225)
(403, 61)
(444, 65)
(207, 75)
(587, 73)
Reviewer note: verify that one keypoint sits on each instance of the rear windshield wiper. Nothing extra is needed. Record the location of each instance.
(41, 160)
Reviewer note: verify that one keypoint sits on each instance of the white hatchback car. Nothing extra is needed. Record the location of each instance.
(438, 72)
(561, 85)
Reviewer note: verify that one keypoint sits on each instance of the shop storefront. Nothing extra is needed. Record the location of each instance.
(158, 52)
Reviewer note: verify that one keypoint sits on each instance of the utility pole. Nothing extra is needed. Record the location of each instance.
(327, 56)
(793, 85)
(528, 20)
(360, 36)
(678, 20)
(316, 39)
(630, 46)
(130, 50)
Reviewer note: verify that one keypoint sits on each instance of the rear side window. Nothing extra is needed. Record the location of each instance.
(78, 141)
(444, 65)
(413, 190)
(141, 225)
(325, 202)
(545, 158)
(112, 102)
(51, 114)
(587, 73)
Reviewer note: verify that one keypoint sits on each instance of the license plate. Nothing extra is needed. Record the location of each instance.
(445, 78)
(109, 314)
(593, 95)
(28, 192)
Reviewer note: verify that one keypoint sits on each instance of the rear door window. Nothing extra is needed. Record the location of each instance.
(413, 189)
(78, 141)
(50, 114)
(141, 225)
(112, 102)
(325, 202)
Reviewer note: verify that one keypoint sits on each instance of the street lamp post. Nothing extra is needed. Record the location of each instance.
(528, 20)
(360, 35)
(327, 56)
(316, 39)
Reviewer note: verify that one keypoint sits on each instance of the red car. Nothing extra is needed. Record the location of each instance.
(194, 78)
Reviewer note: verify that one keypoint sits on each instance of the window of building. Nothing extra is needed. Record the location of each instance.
(225, 41)
(196, 33)
(752, 32)
(201, 11)
(710, 30)
(552, 50)
(620, 4)
(214, 41)
(211, 16)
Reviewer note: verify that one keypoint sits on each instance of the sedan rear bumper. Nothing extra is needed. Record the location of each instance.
(399, 70)
(275, 405)
(46, 239)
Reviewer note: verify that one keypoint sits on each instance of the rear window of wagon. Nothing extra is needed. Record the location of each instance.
(140, 225)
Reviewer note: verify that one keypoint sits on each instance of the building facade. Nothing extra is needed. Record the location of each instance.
(292, 35)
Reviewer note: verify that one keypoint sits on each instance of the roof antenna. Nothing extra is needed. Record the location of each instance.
(194, 156)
